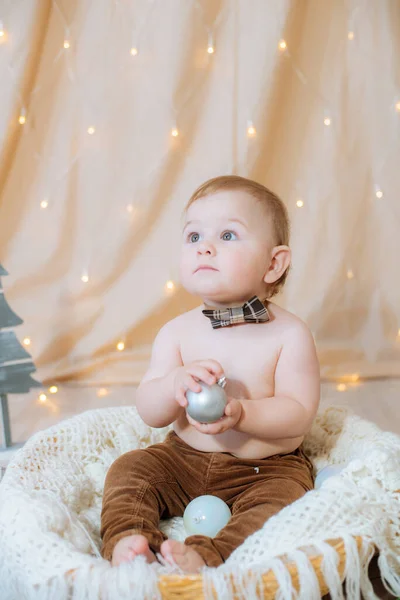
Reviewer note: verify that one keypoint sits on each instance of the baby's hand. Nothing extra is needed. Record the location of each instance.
(188, 377)
(233, 412)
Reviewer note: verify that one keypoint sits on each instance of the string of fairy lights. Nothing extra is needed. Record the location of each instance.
(135, 51)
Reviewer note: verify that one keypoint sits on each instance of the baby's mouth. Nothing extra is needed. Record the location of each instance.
(205, 268)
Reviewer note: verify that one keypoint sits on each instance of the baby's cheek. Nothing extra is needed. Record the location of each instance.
(184, 268)
(241, 268)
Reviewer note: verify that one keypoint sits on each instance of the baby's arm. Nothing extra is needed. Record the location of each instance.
(155, 396)
(291, 411)
(160, 397)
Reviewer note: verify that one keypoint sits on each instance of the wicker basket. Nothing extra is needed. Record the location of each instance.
(179, 587)
(190, 587)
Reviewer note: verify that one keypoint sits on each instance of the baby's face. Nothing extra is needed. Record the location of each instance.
(226, 247)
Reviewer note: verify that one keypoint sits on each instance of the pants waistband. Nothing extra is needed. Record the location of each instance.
(173, 438)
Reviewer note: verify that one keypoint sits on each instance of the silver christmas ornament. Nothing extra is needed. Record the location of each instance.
(208, 405)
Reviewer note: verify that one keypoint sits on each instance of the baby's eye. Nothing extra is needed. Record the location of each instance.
(227, 236)
(193, 237)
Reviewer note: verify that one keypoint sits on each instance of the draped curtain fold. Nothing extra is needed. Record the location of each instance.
(112, 113)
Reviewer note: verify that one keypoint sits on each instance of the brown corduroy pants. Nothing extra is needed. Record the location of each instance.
(158, 482)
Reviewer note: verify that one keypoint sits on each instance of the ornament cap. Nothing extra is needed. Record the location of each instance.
(222, 381)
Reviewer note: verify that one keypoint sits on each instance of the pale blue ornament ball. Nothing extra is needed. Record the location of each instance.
(206, 515)
(327, 473)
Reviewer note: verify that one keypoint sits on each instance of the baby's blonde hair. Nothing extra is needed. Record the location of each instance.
(276, 210)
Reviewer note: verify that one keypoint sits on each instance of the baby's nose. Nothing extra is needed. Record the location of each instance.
(206, 248)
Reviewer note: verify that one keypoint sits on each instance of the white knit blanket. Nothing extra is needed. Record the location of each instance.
(50, 503)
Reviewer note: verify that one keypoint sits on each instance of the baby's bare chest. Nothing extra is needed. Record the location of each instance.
(247, 354)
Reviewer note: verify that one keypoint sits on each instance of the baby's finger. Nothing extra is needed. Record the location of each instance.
(181, 398)
(214, 367)
(202, 427)
(192, 384)
(203, 374)
(199, 426)
(190, 420)
(214, 428)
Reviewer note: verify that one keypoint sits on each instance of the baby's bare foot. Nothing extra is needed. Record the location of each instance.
(185, 557)
(129, 547)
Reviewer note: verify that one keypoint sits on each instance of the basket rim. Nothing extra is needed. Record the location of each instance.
(190, 586)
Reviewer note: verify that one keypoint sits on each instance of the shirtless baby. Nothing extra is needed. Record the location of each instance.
(234, 248)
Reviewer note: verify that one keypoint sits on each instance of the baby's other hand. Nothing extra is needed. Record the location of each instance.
(233, 412)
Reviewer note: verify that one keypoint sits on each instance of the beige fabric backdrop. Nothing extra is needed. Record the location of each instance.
(107, 204)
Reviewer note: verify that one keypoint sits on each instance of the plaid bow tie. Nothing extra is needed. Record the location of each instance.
(252, 311)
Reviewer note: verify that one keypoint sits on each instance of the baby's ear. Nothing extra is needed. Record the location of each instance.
(279, 262)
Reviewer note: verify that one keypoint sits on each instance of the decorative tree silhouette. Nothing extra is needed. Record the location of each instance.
(16, 363)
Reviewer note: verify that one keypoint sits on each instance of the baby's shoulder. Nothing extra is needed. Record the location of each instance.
(287, 323)
(178, 325)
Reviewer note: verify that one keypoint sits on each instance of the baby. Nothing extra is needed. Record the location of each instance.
(235, 256)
